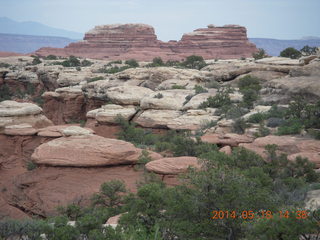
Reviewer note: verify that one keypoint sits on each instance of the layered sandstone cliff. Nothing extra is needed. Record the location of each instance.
(138, 41)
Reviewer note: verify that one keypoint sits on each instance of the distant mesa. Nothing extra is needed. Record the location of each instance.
(139, 41)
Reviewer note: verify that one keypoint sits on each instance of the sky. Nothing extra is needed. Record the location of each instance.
(281, 19)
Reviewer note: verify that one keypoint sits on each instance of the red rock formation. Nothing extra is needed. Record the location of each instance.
(138, 41)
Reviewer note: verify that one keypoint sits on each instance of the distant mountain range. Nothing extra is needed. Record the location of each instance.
(27, 43)
(8, 25)
(274, 46)
(26, 37)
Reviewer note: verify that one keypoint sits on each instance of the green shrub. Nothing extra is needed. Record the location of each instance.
(263, 131)
(291, 126)
(249, 82)
(307, 50)
(158, 95)
(36, 61)
(199, 89)
(156, 62)
(257, 118)
(260, 54)
(194, 62)
(110, 194)
(176, 86)
(290, 52)
(132, 63)
(31, 166)
(221, 99)
(114, 62)
(239, 126)
(51, 57)
(5, 93)
(95, 79)
(235, 111)
(86, 63)
(4, 65)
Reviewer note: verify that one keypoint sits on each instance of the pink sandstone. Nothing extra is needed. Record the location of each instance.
(139, 41)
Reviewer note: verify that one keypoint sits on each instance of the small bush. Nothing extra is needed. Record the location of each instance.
(36, 61)
(159, 95)
(4, 65)
(51, 57)
(199, 89)
(260, 54)
(239, 126)
(257, 118)
(188, 98)
(249, 82)
(290, 53)
(194, 62)
(176, 86)
(307, 50)
(235, 111)
(86, 63)
(95, 79)
(132, 63)
(156, 62)
(5, 93)
(263, 131)
(291, 126)
(31, 166)
(219, 100)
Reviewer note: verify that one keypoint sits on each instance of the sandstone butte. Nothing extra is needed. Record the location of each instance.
(139, 41)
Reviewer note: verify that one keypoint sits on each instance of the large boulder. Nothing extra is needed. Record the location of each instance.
(109, 113)
(169, 100)
(172, 166)
(156, 118)
(86, 151)
(16, 113)
(127, 95)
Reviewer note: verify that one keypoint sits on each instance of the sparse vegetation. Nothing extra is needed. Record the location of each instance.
(194, 62)
(199, 89)
(176, 86)
(4, 65)
(158, 95)
(260, 54)
(36, 60)
(31, 166)
(221, 99)
(290, 52)
(95, 79)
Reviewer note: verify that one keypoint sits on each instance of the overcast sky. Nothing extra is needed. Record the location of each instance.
(282, 19)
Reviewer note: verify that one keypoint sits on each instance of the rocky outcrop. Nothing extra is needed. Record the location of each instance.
(86, 151)
(14, 113)
(138, 41)
(172, 166)
(289, 145)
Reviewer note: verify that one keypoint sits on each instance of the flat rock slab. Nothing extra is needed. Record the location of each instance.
(172, 166)
(86, 151)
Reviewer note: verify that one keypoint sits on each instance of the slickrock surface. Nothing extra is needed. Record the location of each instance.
(138, 41)
(86, 151)
(172, 166)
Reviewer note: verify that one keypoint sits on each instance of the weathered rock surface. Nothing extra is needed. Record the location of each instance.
(290, 145)
(109, 113)
(14, 113)
(127, 95)
(169, 100)
(20, 130)
(156, 118)
(86, 151)
(138, 41)
(229, 139)
(172, 166)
